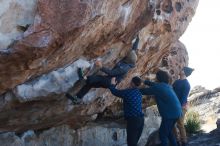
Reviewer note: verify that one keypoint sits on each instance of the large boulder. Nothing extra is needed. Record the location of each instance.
(40, 65)
(206, 103)
(99, 133)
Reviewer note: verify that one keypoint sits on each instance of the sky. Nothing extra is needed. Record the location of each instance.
(202, 40)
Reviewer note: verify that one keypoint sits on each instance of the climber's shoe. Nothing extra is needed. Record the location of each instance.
(80, 73)
(69, 97)
(74, 99)
(179, 143)
(184, 144)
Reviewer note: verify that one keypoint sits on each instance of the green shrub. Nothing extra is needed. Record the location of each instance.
(192, 123)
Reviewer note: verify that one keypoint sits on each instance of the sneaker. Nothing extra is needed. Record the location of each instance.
(74, 99)
(184, 144)
(178, 143)
(80, 73)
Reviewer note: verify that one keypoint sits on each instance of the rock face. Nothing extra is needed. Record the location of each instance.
(64, 31)
(15, 16)
(55, 37)
(207, 104)
(99, 133)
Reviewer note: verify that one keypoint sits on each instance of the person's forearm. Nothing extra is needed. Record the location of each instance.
(116, 92)
(146, 91)
(149, 83)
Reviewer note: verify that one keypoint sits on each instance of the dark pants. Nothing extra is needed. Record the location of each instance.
(166, 132)
(134, 129)
(94, 81)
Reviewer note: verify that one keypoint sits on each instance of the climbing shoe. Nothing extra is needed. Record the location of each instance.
(74, 99)
(69, 97)
(184, 144)
(178, 143)
(80, 73)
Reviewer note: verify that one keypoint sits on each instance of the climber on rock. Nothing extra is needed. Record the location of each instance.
(168, 105)
(182, 89)
(103, 81)
(132, 105)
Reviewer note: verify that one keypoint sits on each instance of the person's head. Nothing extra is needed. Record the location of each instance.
(131, 57)
(135, 81)
(182, 75)
(162, 76)
(187, 71)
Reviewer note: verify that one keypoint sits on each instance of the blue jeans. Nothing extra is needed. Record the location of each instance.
(166, 132)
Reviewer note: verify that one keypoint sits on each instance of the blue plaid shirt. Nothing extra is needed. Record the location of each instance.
(132, 101)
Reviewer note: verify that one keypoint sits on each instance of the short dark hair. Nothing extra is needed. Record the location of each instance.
(136, 80)
(162, 76)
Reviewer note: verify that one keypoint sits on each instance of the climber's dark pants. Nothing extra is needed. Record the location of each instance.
(166, 132)
(134, 129)
(94, 81)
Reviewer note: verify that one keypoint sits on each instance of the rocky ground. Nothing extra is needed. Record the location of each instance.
(103, 132)
(206, 139)
(207, 104)
(201, 138)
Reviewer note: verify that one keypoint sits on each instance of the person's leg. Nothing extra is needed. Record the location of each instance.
(134, 130)
(176, 132)
(140, 128)
(85, 89)
(163, 132)
(76, 99)
(171, 136)
(94, 81)
(90, 83)
(99, 81)
(181, 127)
(129, 130)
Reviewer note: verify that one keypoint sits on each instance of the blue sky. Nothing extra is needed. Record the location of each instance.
(202, 40)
